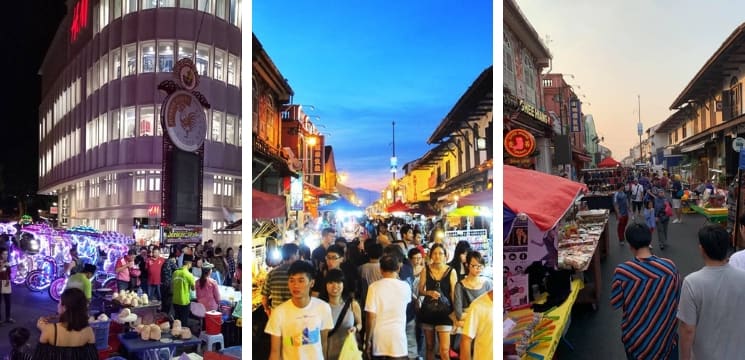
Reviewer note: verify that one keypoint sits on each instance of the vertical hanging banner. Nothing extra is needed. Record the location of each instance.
(575, 115)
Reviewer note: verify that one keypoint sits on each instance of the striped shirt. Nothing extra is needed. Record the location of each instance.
(648, 291)
(276, 286)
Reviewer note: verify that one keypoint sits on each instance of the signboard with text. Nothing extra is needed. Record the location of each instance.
(519, 143)
(182, 234)
(575, 115)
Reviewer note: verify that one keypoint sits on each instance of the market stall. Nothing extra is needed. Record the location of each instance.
(537, 206)
(602, 183)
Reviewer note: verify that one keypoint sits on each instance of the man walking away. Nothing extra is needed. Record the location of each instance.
(621, 205)
(711, 303)
(637, 197)
(677, 195)
(647, 289)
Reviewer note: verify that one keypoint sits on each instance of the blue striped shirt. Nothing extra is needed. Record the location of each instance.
(648, 291)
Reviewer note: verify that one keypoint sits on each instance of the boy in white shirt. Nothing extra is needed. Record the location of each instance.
(299, 327)
(478, 329)
(385, 305)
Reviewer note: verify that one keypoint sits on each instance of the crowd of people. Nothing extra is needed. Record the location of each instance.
(170, 280)
(385, 282)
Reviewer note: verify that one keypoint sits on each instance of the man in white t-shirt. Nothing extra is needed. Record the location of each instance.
(385, 305)
(478, 329)
(637, 198)
(299, 327)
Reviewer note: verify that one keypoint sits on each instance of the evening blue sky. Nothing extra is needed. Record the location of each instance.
(365, 64)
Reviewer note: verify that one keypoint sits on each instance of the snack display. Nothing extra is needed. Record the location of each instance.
(580, 239)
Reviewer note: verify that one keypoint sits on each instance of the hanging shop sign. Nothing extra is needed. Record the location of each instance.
(519, 143)
(182, 234)
(185, 122)
(575, 115)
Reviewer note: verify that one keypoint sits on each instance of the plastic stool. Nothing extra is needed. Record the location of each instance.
(211, 340)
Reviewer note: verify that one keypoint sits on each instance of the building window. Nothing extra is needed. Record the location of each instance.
(117, 5)
(140, 183)
(232, 64)
(104, 70)
(167, 3)
(116, 63)
(220, 9)
(234, 12)
(147, 52)
(104, 15)
(189, 4)
(217, 185)
(153, 183)
(217, 126)
(508, 63)
(130, 6)
(130, 54)
(203, 59)
(529, 77)
(207, 118)
(230, 129)
(103, 129)
(684, 129)
(165, 56)
(205, 5)
(240, 132)
(228, 186)
(185, 50)
(115, 124)
(156, 121)
(129, 123)
(736, 97)
(219, 62)
(146, 121)
(149, 4)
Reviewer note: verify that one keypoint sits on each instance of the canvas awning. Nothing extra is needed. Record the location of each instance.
(693, 147)
(267, 206)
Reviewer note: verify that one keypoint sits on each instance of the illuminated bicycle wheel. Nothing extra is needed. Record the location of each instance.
(56, 288)
(38, 280)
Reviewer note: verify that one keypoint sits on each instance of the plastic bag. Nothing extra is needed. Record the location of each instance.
(350, 350)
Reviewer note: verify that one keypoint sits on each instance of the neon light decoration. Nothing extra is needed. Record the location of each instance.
(79, 19)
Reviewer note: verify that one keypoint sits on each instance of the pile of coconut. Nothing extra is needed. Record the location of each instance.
(100, 318)
(130, 298)
(155, 331)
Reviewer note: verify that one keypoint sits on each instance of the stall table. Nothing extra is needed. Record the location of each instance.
(150, 349)
(710, 218)
(599, 201)
(147, 313)
(562, 315)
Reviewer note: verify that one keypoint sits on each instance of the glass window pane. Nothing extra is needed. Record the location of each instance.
(220, 9)
(219, 70)
(233, 9)
(165, 56)
(240, 132)
(104, 70)
(208, 120)
(130, 6)
(185, 50)
(231, 69)
(130, 54)
(129, 123)
(189, 4)
(116, 63)
(156, 119)
(217, 126)
(147, 50)
(115, 124)
(146, 121)
(117, 4)
(203, 59)
(103, 128)
(149, 4)
(204, 5)
(167, 3)
(229, 129)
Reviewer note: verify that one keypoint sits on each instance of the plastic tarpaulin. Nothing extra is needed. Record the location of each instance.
(341, 204)
(545, 198)
(267, 206)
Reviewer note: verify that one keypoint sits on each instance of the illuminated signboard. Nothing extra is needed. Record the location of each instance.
(519, 143)
(79, 19)
(534, 112)
(296, 193)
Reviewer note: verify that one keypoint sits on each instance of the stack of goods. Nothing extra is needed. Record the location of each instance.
(579, 239)
(523, 333)
(130, 298)
(603, 181)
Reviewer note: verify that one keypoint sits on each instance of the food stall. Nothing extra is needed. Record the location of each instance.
(471, 206)
(535, 205)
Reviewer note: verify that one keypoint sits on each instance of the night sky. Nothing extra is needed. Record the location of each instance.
(27, 30)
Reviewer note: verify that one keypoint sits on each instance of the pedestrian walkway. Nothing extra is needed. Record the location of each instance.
(597, 334)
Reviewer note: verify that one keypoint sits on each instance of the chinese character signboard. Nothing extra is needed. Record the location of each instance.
(519, 143)
(575, 115)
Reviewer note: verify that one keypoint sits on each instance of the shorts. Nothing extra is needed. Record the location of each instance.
(437, 328)
(637, 205)
(676, 203)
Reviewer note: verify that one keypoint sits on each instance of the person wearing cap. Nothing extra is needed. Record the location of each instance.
(181, 285)
(82, 280)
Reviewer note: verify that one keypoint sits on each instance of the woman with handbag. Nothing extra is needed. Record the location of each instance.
(346, 312)
(437, 284)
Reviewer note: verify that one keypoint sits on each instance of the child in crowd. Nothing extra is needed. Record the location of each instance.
(19, 344)
(649, 215)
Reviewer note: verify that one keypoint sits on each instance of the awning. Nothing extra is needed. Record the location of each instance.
(581, 156)
(267, 206)
(693, 147)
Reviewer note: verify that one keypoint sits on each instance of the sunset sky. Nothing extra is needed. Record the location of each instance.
(617, 50)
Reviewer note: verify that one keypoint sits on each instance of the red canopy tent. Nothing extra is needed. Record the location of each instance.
(545, 198)
(608, 162)
(483, 198)
(267, 206)
(398, 206)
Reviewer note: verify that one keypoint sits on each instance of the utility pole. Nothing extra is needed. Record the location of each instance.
(639, 127)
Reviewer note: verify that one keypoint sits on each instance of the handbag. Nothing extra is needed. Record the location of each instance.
(439, 308)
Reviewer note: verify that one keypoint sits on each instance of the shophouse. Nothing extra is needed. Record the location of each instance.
(560, 99)
(100, 148)
(524, 56)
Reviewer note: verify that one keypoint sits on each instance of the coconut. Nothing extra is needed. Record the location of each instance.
(155, 332)
(165, 326)
(145, 332)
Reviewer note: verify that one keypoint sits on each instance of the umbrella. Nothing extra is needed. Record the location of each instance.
(398, 206)
(483, 198)
(267, 206)
(608, 162)
(545, 198)
(341, 204)
(470, 210)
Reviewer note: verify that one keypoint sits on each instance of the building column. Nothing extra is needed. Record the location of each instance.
(543, 161)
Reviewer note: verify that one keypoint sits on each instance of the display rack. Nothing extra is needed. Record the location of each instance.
(478, 238)
(603, 180)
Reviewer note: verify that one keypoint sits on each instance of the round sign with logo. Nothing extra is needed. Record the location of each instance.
(738, 143)
(519, 143)
(184, 120)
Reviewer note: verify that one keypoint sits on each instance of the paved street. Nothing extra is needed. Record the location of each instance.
(26, 308)
(596, 335)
